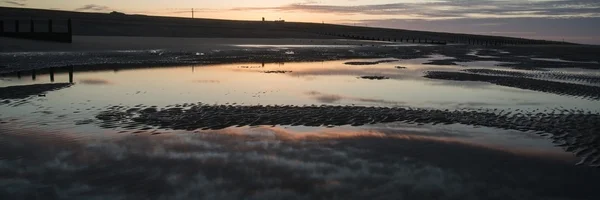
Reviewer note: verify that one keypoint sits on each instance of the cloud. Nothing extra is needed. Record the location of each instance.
(94, 81)
(324, 98)
(207, 81)
(16, 2)
(93, 7)
(333, 98)
(455, 9)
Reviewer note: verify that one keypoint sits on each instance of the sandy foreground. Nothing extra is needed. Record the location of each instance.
(105, 43)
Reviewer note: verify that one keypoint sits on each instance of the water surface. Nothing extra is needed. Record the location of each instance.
(52, 145)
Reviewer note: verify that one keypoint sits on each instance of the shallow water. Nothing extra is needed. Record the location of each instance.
(401, 159)
(303, 83)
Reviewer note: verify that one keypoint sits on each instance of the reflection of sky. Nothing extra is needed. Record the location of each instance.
(330, 82)
(317, 162)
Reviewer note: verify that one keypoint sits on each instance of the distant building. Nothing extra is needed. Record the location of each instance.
(117, 13)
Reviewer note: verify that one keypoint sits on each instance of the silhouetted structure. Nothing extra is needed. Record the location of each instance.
(52, 75)
(32, 35)
(71, 74)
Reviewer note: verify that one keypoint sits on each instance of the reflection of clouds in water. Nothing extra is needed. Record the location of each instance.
(325, 98)
(475, 104)
(333, 98)
(93, 81)
(207, 81)
(280, 164)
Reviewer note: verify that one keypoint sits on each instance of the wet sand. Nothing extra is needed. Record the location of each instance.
(573, 129)
(586, 78)
(113, 43)
(21, 92)
(560, 88)
(93, 51)
(80, 144)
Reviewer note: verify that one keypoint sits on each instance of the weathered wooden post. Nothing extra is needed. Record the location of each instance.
(71, 75)
(52, 75)
(16, 26)
(49, 26)
(19, 75)
(33, 75)
(31, 26)
(70, 27)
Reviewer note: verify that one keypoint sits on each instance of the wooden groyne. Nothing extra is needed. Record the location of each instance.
(32, 34)
(424, 37)
(37, 74)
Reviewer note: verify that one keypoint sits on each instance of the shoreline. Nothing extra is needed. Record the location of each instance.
(115, 43)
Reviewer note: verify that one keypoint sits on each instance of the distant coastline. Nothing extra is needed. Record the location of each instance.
(121, 24)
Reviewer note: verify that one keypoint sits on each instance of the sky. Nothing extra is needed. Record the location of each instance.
(569, 20)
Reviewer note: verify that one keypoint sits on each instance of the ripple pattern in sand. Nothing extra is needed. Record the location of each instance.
(557, 75)
(560, 88)
(575, 130)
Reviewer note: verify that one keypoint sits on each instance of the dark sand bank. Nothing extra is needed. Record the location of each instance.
(586, 78)
(560, 88)
(25, 55)
(20, 92)
(114, 43)
(521, 57)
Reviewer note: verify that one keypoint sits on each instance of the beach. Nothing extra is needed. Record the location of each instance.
(130, 117)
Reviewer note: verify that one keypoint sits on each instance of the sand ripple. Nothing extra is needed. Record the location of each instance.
(570, 89)
(575, 130)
